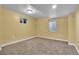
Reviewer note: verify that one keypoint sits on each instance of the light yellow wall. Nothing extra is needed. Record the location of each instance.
(62, 26)
(77, 28)
(12, 29)
(1, 31)
(71, 28)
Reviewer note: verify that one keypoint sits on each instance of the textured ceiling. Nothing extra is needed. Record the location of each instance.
(44, 10)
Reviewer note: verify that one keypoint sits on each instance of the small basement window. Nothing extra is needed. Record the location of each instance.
(52, 25)
(23, 20)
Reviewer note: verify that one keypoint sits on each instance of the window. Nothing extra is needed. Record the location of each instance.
(52, 25)
(23, 20)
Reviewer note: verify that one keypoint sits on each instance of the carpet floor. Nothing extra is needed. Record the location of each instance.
(39, 46)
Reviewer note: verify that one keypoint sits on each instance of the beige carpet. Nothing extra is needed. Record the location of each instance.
(39, 46)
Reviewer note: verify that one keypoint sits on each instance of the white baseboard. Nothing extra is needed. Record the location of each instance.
(52, 38)
(0, 48)
(9, 43)
(69, 43)
(60, 40)
(6, 44)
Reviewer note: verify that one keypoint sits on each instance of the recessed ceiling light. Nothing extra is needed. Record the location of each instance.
(54, 6)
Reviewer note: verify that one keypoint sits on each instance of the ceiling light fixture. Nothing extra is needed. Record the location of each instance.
(29, 10)
(54, 6)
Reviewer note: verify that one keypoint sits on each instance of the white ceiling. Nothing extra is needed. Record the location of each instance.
(43, 10)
